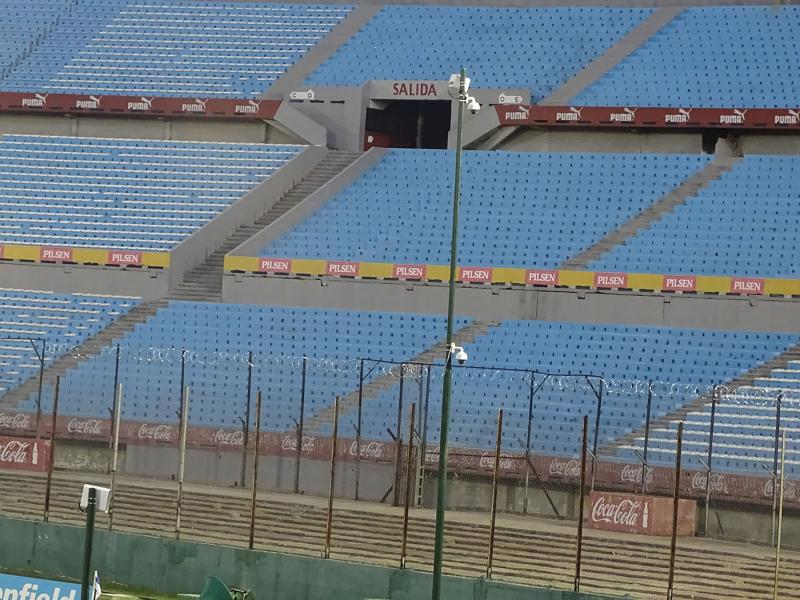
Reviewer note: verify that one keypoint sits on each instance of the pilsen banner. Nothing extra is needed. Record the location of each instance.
(32, 102)
(664, 118)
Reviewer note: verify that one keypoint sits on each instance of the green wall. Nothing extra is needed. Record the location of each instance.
(170, 566)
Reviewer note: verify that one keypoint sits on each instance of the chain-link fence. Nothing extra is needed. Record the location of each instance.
(345, 458)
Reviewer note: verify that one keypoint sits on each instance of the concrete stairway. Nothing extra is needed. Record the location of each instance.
(204, 282)
(371, 389)
(91, 347)
(745, 379)
(712, 171)
(527, 550)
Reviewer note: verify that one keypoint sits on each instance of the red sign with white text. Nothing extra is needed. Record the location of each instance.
(55, 254)
(475, 274)
(679, 283)
(124, 258)
(541, 277)
(410, 272)
(747, 285)
(342, 268)
(634, 513)
(24, 454)
(274, 265)
(611, 280)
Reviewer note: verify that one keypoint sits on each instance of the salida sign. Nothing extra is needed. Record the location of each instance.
(415, 89)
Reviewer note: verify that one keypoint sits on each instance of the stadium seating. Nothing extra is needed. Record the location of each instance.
(716, 57)
(34, 321)
(219, 337)
(23, 23)
(518, 209)
(745, 223)
(531, 48)
(121, 193)
(173, 48)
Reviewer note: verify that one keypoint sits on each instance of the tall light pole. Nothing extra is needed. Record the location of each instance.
(458, 87)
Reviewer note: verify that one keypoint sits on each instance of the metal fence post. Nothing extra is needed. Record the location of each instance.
(358, 426)
(775, 464)
(114, 392)
(254, 491)
(528, 434)
(596, 429)
(675, 505)
(115, 455)
(399, 442)
(326, 553)
(39, 392)
(300, 423)
(710, 457)
(409, 478)
(647, 435)
(576, 586)
(52, 457)
(182, 459)
(424, 442)
(780, 519)
(246, 424)
(495, 479)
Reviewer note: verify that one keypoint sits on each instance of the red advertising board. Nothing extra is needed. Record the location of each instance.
(610, 280)
(32, 102)
(342, 268)
(541, 277)
(24, 454)
(475, 274)
(649, 117)
(123, 258)
(410, 272)
(274, 265)
(679, 283)
(55, 254)
(747, 285)
(635, 513)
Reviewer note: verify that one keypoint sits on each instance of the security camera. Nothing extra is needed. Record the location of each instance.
(460, 354)
(454, 85)
(472, 105)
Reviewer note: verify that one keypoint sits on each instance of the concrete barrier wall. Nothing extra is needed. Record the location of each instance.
(171, 566)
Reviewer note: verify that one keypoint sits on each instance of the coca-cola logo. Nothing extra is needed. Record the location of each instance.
(85, 426)
(228, 437)
(791, 492)
(565, 468)
(505, 463)
(719, 483)
(633, 474)
(373, 450)
(289, 443)
(14, 452)
(158, 433)
(15, 421)
(626, 512)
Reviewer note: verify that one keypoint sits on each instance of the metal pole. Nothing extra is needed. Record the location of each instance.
(775, 465)
(299, 448)
(326, 553)
(115, 454)
(182, 459)
(358, 425)
(495, 478)
(114, 391)
(780, 518)
(409, 477)
(246, 424)
(647, 435)
(39, 393)
(52, 457)
(675, 504)
(710, 456)
(579, 550)
(436, 589)
(399, 445)
(424, 442)
(254, 492)
(528, 442)
(596, 430)
(87, 547)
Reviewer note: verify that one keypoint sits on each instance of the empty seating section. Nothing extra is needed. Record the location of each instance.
(744, 427)
(31, 322)
(121, 193)
(745, 223)
(682, 358)
(23, 23)
(714, 57)
(173, 48)
(518, 209)
(531, 48)
(218, 338)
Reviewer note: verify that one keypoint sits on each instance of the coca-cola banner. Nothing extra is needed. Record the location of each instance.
(650, 117)
(137, 105)
(635, 513)
(24, 454)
